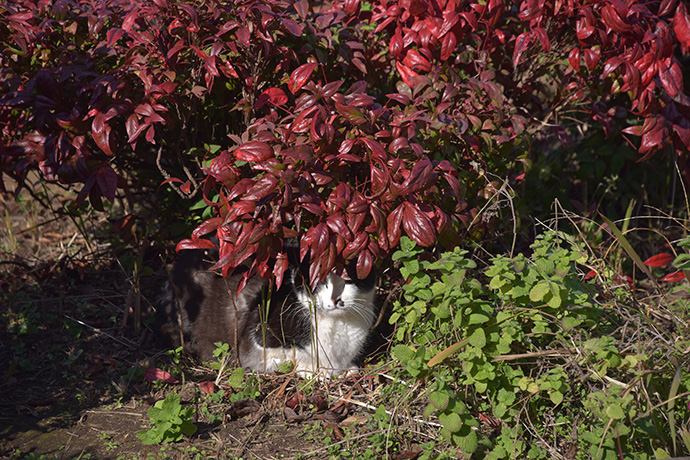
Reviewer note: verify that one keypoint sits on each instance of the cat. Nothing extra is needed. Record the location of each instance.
(321, 332)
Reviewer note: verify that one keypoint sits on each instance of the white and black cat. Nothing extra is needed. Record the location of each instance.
(323, 331)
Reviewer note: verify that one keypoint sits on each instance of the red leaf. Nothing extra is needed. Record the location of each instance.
(207, 387)
(107, 182)
(671, 78)
(521, 43)
(273, 96)
(113, 35)
(666, 7)
(681, 26)
(194, 244)
(130, 19)
(280, 267)
(155, 374)
(376, 148)
(365, 261)
(254, 151)
(659, 260)
(101, 133)
(351, 6)
(542, 37)
(592, 57)
(292, 26)
(416, 62)
(393, 224)
(406, 73)
(207, 227)
(300, 76)
(417, 225)
(354, 247)
(448, 44)
(396, 44)
(653, 137)
(574, 59)
(338, 226)
(673, 277)
(264, 187)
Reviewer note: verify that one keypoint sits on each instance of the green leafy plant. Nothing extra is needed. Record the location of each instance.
(531, 345)
(171, 421)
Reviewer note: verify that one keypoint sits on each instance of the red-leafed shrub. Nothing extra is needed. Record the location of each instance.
(346, 123)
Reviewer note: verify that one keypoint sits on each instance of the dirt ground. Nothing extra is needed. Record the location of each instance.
(71, 362)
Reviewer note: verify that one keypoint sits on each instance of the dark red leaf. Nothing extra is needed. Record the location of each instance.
(155, 374)
(241, 208)
(542, 37)
(417, 225)
(351, 7)
(100, 131)
(406, 73)
(194, 244)
(521, 44)
(377, 150)
(396, 44)
(354, 247)
(585, 32)
(681, 26)
(448, 44)
(416, 61)
(365, 262)
(653, 137)
(613, 20)
(674, 277)
(592, 57)
(671, 78)
(300, 76)
(292, 26)
(207, 387)
(130, 19)
(394, 225)
(659, 260)
(207, 227)
(337, 225)
(264, 187)
(351, 114)
(274, 96)
(574, 59)
(254, 151)
(106, 178)
(113, 35)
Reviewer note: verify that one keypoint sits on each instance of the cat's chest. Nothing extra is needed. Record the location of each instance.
(339, 332)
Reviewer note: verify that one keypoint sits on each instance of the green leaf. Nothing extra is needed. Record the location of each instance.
(236, 379)
(615, 411)
(478, 318)
(467, 443)
(537, 293)
(403, 353)
(682, 262)
(440, 400)
(569, 323)
(556, 397)
(452, 422)
(478, 338)
(660, 453)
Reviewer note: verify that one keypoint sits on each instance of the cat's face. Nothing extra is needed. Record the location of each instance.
(336, 296)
